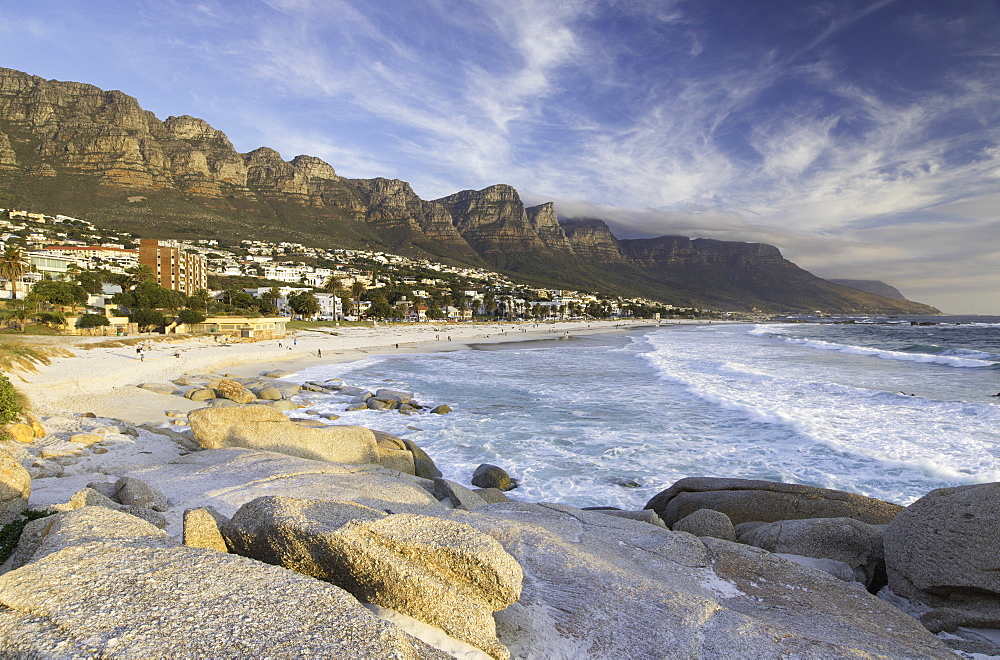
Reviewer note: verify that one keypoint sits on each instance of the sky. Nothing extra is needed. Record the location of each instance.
(861, 137)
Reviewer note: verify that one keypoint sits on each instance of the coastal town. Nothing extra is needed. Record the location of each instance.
(263, 283)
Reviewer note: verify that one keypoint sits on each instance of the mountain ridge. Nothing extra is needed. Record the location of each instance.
(74, 148)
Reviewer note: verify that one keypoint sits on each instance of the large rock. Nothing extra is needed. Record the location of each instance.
(107, 585)
(22, 433)
(234, 391)
(746, 500)
(492, 476)
(35, 424)
(437, 571)
(942, 551)
(645, 515)
(457, 495)
(857, 544)
(203, 529)
(707, 522)
(270, 394)
(260, 427)
(15, 488)
(395, 395)
(135, 492)
(87, 525)
(200, 394)
(90, 497)
(423, 465)
(229, 478)
(598, 586)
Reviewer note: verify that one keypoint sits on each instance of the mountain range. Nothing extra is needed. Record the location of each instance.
(72, 148)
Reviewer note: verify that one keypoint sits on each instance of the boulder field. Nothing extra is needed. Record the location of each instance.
(267, 538)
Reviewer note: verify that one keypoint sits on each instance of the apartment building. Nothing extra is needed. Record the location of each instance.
(174, 268)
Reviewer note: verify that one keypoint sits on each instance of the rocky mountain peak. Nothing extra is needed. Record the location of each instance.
(314, 168)
(186, 127)
(545, 222)
(591, 238)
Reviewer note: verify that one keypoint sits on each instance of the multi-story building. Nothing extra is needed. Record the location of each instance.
(173, 268)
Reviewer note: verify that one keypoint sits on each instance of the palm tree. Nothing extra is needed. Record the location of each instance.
(139, 274)
(333, 285)
(14, 263)
(357, 289)
(16, 311)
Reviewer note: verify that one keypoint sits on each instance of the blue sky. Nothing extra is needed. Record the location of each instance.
(862, 137)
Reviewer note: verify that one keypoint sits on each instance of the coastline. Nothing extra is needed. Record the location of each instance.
(79, 459)
(103, 376)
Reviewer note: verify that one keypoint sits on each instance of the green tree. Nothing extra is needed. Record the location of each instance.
(92, 321)
(51, 319)
(268, 301)
(90, 281)
(199, 300)
(304, 304)
(147, 319)
(490, 302)
(190, 316)
(56, 292)
(16, 312)
(380, 309)
(149, 295)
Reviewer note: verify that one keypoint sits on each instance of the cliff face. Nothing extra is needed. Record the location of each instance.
(545, 222)
(73, 148)
(105, 148)
(399, 215)
(592, 239)
(496, 224)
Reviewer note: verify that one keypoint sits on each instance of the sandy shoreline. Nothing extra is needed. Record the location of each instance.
(104, 379)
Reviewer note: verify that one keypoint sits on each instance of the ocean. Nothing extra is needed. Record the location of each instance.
(889, 408)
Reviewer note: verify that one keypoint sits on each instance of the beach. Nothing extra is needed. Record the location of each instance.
(102, 376)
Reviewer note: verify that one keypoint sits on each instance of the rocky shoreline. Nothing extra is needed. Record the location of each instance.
(240, 532)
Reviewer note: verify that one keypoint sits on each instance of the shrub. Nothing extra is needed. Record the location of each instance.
(53, 319)
(10, 533)
(190, 316)
(147, 319)
(10, 402)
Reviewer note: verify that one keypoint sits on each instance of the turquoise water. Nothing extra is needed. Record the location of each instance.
(890, 411)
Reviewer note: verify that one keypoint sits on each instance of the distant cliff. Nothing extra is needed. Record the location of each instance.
(73, 148)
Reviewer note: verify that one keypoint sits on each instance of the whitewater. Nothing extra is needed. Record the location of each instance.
(886, 408)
